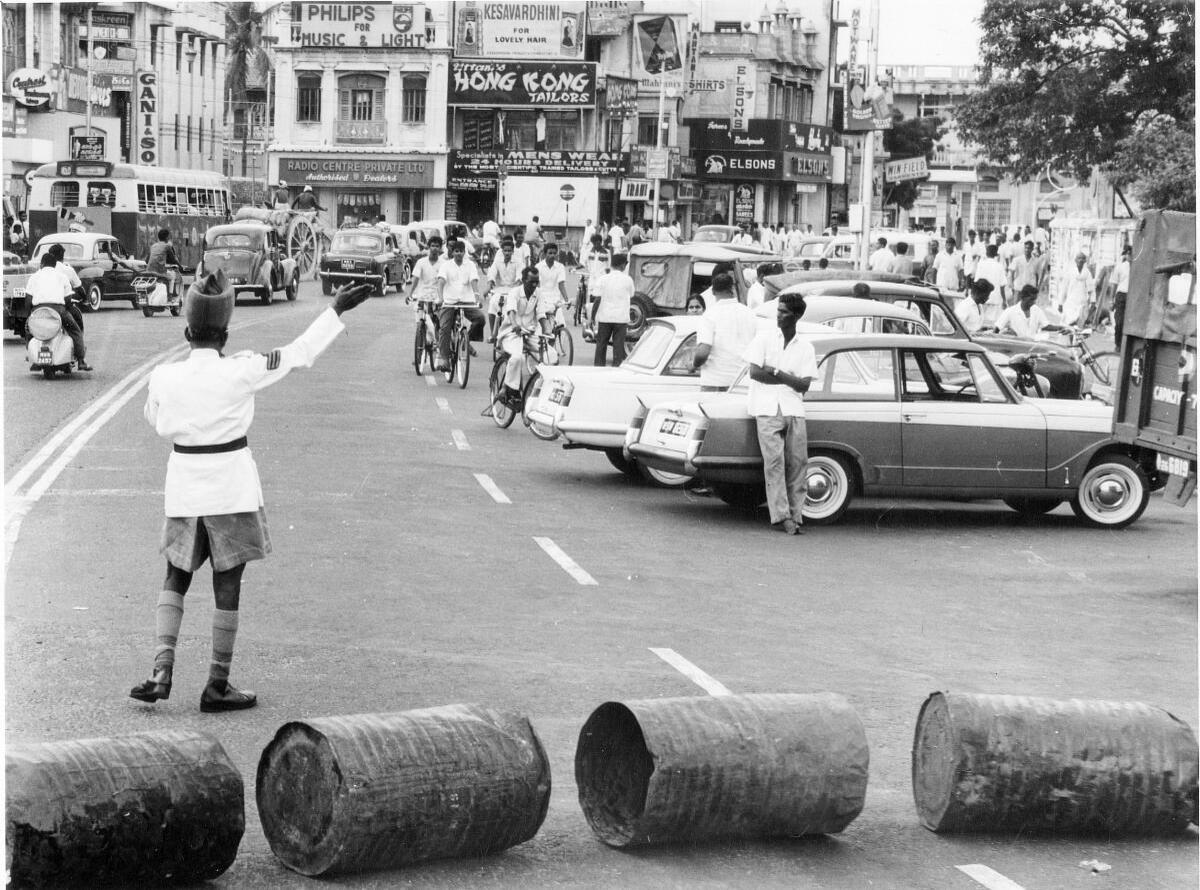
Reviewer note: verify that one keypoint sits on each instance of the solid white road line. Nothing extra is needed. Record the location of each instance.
(444, 404)
(568, 565)
(989, 878)
(492, 488)
(460, 440)
(693, 673)
(430, 380)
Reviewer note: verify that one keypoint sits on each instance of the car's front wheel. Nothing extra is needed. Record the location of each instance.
(95, 295)
(830, 488)
(1113, 492)
(293, 286)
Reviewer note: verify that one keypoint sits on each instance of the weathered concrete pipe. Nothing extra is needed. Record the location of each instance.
(150, 809)
(1008, 763)
(687, 769)
(376, 791)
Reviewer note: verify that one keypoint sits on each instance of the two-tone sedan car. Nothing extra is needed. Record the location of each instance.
(590, 407)
(364, 254)
(105, 270)
(252, 258)
(912, 417)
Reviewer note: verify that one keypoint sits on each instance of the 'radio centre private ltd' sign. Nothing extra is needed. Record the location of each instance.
(357, 26)
(377, 173)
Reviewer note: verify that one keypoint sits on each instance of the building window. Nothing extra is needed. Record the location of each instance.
(178, 51)
(774, 109)
(177, 132)
(992, 213)
(412, 99)
(935, 105)
(986, 184)
(200, 135)
(14, 38)
(361, 97)
(308, 98)
(154, 38)
(189, 132)
(728, 27)
(616, 133)
(412, 205)
(479, 131)
(202, 56)
(68, 33)
(647, 132)
(562, 130)
(521, 130)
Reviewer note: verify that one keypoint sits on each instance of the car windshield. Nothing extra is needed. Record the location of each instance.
(71, 250)
(650, 347)
(717, 235)
(812, 250)
(243, 240)
(356, 241)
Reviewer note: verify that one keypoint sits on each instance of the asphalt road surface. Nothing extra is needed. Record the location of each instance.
(411, 569)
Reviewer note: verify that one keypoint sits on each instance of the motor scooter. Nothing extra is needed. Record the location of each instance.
(157, 292)
(49, 348)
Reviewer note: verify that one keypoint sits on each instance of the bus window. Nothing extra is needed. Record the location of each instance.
(193, 201)
(101, 194)
(144, 199)
(159, 204)
(64, 194)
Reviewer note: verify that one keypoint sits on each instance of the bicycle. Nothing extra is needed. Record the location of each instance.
(1101, 370)
(535, 347)
(561, 337)
(424, 337)
(459, 359)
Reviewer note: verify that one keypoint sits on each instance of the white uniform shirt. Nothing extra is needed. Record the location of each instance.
(972, 252)
(425, 272)
(992, 270)
(596, 266)
(460, 280)
(491, 233)
(970, 314)
(209, 400)
(47, 286)
(588, 231)
(617, 234)
(755, 294)
(727, 327)
(69, 273)
(948, 266)
(1013, 319)
(616, 292)
(550, 278)
(1120, 277)
(881, 259)
(742, 238)
(503, 276)
(515, 301)
(522, 252)
(797, 358)
(1079, 287)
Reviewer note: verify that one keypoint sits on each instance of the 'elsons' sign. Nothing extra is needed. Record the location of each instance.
(557, 84)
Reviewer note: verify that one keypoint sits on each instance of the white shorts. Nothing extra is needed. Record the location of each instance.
(548, 303)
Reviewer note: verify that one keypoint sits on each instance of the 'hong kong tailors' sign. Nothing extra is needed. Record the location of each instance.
(357, 25)
(547, 84)
(366, 172)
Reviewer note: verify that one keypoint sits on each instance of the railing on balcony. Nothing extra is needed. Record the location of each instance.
(954, 157)
(360, 132)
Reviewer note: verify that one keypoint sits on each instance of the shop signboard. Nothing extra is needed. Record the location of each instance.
(907, 168)
(743, 203)
(544, 163)
(542, 84)
(383, 173)
(29, 87)
(658, 163)
(740, 164)
(472, 183)
(524, 30)
(808, 167)
(660, 44)
(610, 19)
(88, 148)
(636, 190)
(356, 26)
(16, 119)
(71, 90)
(718, 134)
(620, 96)
(147, 117)
(107, 26)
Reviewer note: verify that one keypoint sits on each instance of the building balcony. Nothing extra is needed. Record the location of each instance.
(360, 132)
(955, 157)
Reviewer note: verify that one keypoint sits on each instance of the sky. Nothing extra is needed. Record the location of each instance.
(925, 32)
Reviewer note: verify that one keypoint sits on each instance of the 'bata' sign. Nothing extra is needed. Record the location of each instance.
(357, 26)
(556, 84)
(147, 117)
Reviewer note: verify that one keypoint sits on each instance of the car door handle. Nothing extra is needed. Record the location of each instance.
(908, 415)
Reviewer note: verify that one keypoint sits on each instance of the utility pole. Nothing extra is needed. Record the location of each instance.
(90, 49)
(868, 155)
(662, 98)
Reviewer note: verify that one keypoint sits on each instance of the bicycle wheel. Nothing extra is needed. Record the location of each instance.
(430, 348)
(463, 359)
(1100, 376)
(451, 359)
(565, 344)
(502, 413)
(418, 346)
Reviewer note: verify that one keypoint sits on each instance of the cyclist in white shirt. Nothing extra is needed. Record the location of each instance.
(552, 290)
(520, 320)
(458, 288)
(503, 275)
(423, 283)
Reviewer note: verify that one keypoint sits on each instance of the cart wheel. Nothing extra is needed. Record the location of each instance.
(303, 245)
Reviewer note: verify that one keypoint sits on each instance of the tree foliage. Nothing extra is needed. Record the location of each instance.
(1075, 84)
(909, 138)
(240, 19)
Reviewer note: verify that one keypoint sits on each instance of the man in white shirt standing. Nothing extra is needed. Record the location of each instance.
(972, 252)
(1121, 292)
(617, 236)
(743, 236)
(204, 406)
(585, 240)
(782, 367)
(948, 266)
(725, 330)
(458, 288)
(970, 309)
(595, 266)
(881, 257)
(1078, 291)
(990, 269)
(615, 291)
(48, 286)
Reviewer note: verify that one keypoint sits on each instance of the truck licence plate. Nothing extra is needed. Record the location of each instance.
(1175, 466)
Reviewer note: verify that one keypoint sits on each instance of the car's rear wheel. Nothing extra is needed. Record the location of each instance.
(640, 309)
(661, 478)
(95, 295)
(738, 495)
(265, 295)
(147, 311)
(617, 458)
(381, 287)
(830, 488)
(1113, 492)
(293, 286)
(1032, 506)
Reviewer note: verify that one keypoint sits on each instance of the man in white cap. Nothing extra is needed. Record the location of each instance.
(306, 200)
(281, 199)
(214, 503)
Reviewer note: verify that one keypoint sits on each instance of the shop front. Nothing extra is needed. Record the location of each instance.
(367, 189)
(679, 190)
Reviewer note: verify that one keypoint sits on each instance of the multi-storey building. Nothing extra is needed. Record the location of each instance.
(360, 107)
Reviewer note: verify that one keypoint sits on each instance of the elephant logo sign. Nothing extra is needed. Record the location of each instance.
(714, 164)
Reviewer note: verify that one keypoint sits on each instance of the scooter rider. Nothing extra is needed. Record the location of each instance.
(49, 287)
(163, 261)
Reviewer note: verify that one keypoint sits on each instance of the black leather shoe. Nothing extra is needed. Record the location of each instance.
(157, 687)
(83, 366)
(215, 699)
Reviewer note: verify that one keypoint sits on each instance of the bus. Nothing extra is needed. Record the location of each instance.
(130, 202)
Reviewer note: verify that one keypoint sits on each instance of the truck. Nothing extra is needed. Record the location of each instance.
(1155, 404)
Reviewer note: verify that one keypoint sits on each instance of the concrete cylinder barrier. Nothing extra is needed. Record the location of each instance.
(149, 809)
(687, 769)
(1008, 763)
(374, 791)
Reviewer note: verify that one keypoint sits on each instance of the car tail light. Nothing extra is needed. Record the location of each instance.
(43, 323)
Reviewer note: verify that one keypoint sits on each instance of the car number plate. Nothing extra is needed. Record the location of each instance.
(347, 264)
(45, 357)
(1175, 466)
(557, 396)
(674, 427)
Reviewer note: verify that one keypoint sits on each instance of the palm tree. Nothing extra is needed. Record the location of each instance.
(240, 19)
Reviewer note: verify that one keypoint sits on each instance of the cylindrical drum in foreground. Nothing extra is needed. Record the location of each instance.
(1008, 763)
(375, 791)
(149, 808)
(686, 769)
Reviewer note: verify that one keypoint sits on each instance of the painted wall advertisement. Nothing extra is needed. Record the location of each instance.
(357, 25)
(660, 44)
(719, 134)
(743, 203)
(520, 30)
(147, 117)
(551, 84)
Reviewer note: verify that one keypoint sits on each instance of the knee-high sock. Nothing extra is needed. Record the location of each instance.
(168, 616)
(224, 635)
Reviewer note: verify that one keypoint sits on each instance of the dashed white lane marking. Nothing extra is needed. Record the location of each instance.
(989, 878)
(430, 380)
(460, 440)
(693, 673)
(444, 404)
(492, 488)
(568, 565)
